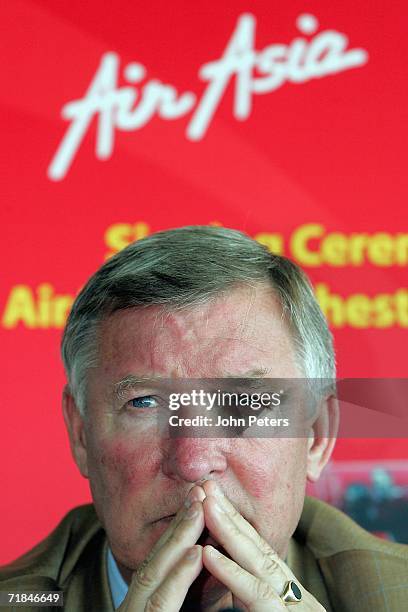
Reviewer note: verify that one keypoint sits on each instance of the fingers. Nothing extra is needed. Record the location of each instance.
(195, 494)
(256, 594)
(148, 577)
(255, 574)
(211, 489)
(172, 565)
(236, 535)
(262, 563)
(171, 593)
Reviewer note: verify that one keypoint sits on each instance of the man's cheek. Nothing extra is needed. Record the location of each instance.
(258, 468)
(126, 464)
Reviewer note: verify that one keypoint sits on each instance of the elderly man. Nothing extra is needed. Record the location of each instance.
(190, 522)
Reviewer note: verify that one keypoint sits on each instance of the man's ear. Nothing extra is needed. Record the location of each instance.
(322, 437)
(75, 425)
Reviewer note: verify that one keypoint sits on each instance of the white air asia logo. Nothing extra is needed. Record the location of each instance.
(132, 106)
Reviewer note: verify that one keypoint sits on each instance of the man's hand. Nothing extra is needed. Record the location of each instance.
(161, 583)
(255, 574)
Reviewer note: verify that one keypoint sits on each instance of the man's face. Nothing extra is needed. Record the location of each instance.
(139, 478)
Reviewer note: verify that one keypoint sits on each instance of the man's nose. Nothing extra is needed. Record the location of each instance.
(192, 459)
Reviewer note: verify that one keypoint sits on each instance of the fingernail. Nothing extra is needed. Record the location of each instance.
(197, 495)
(189, 501)
(200, 482)
(192, 553)
(214, 552)
(217, 490)
(191, 513)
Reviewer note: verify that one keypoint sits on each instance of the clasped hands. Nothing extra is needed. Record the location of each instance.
(254, 574)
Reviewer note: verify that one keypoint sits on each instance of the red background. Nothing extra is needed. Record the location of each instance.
(329, 151)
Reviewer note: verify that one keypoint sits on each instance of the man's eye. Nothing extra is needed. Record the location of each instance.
(146, 401)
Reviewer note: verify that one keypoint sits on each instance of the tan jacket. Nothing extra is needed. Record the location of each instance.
(346, 568)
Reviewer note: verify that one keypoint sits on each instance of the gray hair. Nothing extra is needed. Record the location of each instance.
(185, 267)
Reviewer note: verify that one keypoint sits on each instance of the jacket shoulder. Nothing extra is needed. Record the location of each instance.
(361, 572)
(328, 532)
(51, 561)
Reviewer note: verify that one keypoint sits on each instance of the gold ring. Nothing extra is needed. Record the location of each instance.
(291, 593)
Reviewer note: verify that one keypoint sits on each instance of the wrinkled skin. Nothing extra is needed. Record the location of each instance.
(137, 477)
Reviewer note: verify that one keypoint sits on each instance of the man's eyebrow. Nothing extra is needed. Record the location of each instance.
(256, 373)
(130, 382)
(252, 379)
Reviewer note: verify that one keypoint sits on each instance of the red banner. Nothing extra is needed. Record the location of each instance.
(286, 122)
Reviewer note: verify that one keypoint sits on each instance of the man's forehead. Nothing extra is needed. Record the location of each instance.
(233, 347)
(132, 354)
(241, 311)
